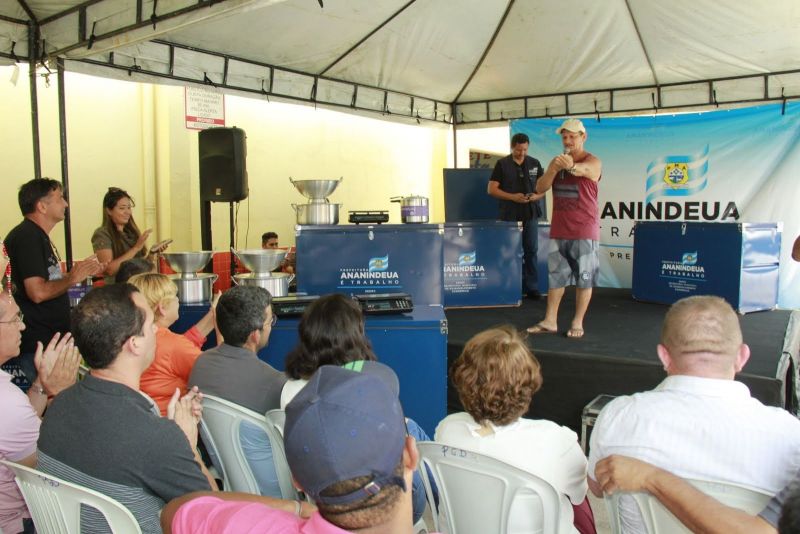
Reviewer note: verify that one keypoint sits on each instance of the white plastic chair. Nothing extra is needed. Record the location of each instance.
(55, 504)
(220, 422)
(477, 493)
(277, 418)
(659, 520)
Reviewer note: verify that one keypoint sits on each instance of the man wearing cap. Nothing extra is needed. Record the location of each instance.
(348, 450)
(513, 184)
(575, 230)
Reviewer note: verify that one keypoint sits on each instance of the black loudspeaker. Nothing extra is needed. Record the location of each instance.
(223, 169)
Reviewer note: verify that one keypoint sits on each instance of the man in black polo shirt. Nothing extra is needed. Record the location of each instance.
(513, 183)
(103, 433)
(41, 286)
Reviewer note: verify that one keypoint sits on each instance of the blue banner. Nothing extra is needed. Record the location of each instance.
(738, 165)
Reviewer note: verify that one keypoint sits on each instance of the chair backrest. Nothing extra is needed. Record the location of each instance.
(55, 504)
(479, 494)
(277, 418)
(659, 520)
(221, 422)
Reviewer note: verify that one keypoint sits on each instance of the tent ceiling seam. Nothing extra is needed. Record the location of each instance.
(485, 51)
(291, 71)
(83, 42)
(631, 111)
(12, 20)
(366, 37)
(634, 87)
(641, 43)
(413, 114)
(70, 11)
(28, 11)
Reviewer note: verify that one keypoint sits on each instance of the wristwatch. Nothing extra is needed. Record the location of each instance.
(38, 388)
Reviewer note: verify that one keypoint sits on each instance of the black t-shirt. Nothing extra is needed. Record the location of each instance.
(515, 178)
(32, 254)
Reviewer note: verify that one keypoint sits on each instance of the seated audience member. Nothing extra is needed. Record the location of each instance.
(104, 434)
(269, 240)
(175, 353)
(358, 484)
(713, 430)
(698, 511)
(234, 372)
(331, 332)
(57, 368)
(129, 268)
(496, 377)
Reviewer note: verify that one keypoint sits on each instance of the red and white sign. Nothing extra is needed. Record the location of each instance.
(205, 108)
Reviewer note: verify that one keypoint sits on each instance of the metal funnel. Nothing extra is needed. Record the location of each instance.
(316, 189)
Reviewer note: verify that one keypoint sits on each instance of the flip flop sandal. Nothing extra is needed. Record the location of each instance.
(540, 329)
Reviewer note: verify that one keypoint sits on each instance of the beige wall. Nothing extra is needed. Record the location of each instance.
(132, 136)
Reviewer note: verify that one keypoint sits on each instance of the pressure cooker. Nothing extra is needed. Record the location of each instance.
(413, 209)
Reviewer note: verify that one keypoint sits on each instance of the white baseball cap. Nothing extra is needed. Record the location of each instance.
(571, 125)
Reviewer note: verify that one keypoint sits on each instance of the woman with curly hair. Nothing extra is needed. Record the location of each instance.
(496, 377)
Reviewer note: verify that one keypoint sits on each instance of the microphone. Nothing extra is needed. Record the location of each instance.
(566, 151)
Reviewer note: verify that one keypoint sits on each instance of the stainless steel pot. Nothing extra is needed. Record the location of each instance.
(317, 213)
(197, 289)
(413, 209)
(276, 283)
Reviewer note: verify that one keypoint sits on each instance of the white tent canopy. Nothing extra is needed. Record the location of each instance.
(480, 60)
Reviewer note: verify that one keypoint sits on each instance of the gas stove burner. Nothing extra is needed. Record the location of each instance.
(368, 217)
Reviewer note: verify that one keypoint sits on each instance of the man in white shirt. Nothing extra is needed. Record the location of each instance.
(699, 423)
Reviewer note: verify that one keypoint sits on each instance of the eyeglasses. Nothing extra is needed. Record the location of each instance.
(18, 319)
(274, 320)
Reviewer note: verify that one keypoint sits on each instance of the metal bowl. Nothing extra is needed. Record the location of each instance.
(261, 260)
(187, 262)
(316, 189)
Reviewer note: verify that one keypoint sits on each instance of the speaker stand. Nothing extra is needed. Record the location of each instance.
(205, 231)
(232, 223)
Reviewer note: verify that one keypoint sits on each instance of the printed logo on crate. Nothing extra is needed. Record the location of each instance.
(683, 274)
(376, 275)
(465, 275)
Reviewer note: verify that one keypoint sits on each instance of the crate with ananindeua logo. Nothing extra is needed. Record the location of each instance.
(737, 261)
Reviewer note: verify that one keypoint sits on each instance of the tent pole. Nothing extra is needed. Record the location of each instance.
(33, 47)
(62, 128)
(455, 141)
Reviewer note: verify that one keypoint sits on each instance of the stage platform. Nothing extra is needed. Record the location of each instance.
(617, 355)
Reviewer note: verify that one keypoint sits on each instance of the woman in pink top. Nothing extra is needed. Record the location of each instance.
(175, 353)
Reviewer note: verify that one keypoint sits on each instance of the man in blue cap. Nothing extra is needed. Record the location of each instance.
(348, 450)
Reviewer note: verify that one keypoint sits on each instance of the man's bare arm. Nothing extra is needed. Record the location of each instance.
(699, 512)
(40, 290)
(545, 181)
(590, 168)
